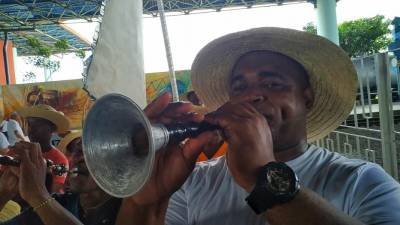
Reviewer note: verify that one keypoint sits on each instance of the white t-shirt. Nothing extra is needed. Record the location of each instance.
(3, 125)
(13, 126)
(360, 189)
(3, 141)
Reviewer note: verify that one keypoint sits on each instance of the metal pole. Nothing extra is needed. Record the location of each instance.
(172, 77)
(389, 152)
(5, 58)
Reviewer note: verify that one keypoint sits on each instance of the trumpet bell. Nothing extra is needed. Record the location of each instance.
(118, 145)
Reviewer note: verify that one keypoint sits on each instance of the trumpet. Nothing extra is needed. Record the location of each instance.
(120, 149)
(56, 169)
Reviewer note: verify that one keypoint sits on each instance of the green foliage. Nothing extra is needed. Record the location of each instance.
(29, 77)
(44, 51)
(310, 28)
(61, 45)
(80, 53)
(33, 42)
(44, 62)
(39, 48)
(362, 36)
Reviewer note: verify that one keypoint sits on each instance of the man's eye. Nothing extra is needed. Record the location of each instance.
(273, 86)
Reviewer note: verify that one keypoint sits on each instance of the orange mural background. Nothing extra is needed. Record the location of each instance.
(65, 96)
(69, 97)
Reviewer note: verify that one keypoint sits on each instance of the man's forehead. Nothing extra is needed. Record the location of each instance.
(272, 63)
(38, 120)
(263, 57)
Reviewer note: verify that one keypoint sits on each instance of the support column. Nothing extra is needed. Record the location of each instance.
(15, 55)
(326, 20)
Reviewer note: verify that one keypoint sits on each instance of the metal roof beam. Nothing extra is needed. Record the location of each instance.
(37, 30)
(66, 7)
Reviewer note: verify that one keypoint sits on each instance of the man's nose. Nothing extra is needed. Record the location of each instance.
(257, 99)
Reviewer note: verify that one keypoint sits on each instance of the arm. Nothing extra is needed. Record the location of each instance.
(8, 187)
(251, 147)
(52, 212)
(308, 209)
(18, 135)
(149, 206)
(32, 173)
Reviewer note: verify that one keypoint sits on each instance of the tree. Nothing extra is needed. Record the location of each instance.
(362, 36)
(310, 28)
(42, 52)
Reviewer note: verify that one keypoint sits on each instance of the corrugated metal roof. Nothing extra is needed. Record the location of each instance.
(45, 16)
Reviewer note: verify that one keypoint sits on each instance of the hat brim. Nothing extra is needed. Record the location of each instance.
(62, 146)
(332, 75)
(62, 122)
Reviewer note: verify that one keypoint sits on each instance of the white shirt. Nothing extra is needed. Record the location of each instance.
(3, 125)
(358, 188)
(13, 126)
(3, 141)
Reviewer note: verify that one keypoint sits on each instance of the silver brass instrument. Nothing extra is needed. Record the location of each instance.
(119, 143)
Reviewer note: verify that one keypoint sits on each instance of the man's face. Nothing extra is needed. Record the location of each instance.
(282, 86)
(40, 130)
(82, 181)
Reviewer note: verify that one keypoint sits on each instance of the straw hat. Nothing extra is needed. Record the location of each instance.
(331, 72)
(49, 113)
(62, 146)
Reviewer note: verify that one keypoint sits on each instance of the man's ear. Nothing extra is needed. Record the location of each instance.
(308, 95)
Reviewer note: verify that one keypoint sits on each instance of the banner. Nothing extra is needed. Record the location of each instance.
(158, 83)
(69, 97)
(65, 96)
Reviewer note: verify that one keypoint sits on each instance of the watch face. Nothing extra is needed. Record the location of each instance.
(281, 179)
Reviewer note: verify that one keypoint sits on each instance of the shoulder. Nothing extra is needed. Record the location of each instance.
(12, 123)
(2, 137)
(335, 162)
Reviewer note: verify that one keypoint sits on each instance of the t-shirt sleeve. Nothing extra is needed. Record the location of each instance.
(376, 197)
(12, 125)
(3, 141)
(177, 212)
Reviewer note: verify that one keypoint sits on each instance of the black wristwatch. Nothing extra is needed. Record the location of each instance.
(276, 183)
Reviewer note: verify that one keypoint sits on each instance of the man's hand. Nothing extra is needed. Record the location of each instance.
(32, 173)
(249, 138)
(173, 164)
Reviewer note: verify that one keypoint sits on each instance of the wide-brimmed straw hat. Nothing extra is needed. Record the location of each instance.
(331, 73)
(49, 113)
(62, 146)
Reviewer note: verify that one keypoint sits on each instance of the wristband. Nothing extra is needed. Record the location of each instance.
(44, 203)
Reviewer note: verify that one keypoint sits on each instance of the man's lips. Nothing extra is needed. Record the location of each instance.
(80, 169)
(77, 171)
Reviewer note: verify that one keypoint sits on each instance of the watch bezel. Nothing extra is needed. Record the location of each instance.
(263, 197)
(294, 180)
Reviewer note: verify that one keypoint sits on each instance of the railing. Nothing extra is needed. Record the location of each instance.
(372, 130)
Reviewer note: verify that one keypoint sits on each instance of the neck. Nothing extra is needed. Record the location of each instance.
(93, 199)
(291, 152)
